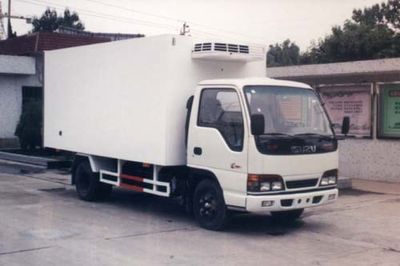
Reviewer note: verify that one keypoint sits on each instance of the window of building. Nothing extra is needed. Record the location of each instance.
(389, 110)
(354, 101)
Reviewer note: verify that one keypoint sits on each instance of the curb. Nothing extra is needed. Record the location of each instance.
(22, 167)
(47, 163)
(344, 182)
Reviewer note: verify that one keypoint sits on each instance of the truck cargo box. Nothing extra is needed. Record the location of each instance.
(127, 99)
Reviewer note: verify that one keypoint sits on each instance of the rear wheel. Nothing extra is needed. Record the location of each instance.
(88, 186)
(287, 216)
(209, 206)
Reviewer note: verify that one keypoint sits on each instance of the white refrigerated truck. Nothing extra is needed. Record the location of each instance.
(170, 116)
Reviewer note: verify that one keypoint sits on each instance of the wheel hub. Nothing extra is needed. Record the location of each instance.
(208, 206)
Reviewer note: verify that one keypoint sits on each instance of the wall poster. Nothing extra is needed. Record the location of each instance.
(389, 110)
(349, 100)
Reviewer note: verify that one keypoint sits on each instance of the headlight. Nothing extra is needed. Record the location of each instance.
(332, 180)
(329, 178)
(324, 181)
(265, 186)
(276, 185)
(264, 183)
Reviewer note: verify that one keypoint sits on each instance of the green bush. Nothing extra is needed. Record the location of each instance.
(29, 128)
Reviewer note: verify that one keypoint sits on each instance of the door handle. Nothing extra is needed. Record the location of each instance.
(235, 166)
(197, 151)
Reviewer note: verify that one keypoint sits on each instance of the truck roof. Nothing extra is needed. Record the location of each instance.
(255, 81)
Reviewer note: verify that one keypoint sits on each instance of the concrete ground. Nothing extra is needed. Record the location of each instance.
(43, 223)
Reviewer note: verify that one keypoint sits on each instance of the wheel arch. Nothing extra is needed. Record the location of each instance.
(94, 165)
(197, 175)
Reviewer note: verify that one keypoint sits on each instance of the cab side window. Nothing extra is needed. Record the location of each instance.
(220, 109)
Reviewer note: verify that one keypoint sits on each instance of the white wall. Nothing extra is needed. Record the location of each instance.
(10, 64)
(15, 72)
(10, 106)
(11, 101)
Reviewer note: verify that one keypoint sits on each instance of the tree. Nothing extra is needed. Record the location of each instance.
(380, 14)
(371, 33)
(354, 42)
(71, 20)
(285, 54)
(50, 21)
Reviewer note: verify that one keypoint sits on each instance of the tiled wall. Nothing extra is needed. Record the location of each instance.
(374, 159)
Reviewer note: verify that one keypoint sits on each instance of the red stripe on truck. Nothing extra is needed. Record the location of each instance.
(131, 187)
(131, 177)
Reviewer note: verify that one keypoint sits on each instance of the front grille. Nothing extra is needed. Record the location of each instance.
(302, 183)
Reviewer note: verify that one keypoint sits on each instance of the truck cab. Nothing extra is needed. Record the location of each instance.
(268, 144)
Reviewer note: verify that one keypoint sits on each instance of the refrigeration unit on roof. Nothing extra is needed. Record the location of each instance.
(227, 52)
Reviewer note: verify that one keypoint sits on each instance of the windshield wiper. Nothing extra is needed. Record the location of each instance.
(276, 134)
(313, 134)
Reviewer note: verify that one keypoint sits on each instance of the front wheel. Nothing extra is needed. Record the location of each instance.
(88, 185)
(287, 216)
(209, 206)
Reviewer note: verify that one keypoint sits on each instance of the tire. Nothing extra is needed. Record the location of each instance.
(209, 206)
(287, 216)
(87, 183)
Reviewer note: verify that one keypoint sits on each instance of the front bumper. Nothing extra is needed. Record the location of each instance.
(290, 201)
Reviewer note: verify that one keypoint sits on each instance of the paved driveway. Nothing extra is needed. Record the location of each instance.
(43, 223)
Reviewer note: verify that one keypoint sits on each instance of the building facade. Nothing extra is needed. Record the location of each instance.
(17, 74)
(369, 93)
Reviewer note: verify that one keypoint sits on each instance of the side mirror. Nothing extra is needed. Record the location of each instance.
(345, 125)
(257, 124)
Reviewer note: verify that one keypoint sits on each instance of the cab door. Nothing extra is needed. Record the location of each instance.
(217, 140)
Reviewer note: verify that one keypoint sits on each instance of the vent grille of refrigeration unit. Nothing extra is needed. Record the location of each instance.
(244, 49)
(221, 51)
(221, 47)
(198, 47)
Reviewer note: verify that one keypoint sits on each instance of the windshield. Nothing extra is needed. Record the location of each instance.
(287, 110)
